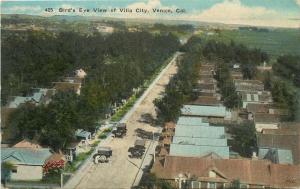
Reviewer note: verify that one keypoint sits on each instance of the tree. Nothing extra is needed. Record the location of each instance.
(244, 139)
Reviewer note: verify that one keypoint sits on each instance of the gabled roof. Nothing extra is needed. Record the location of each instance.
(37, 96)
(26, 156)
(27, 144)
(82, 133)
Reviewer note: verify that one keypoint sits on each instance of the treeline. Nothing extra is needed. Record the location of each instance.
(38, 59)
(180, 88)
(115, 65)
(288, 66)
(230, 54)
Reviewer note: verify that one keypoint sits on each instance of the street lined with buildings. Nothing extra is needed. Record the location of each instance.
(122, 171)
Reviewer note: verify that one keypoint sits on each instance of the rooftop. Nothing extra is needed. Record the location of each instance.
(276, 155)
(200, 132)
(266, 118)
(205, 111)
(200, 141)
(190, 150)
(207, 100)
(27, 156)
(27, 144)
(283, 139)
(82, 133)
(191, 121)
(260, 172)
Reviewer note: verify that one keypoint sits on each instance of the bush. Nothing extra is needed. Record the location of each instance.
(102, 136)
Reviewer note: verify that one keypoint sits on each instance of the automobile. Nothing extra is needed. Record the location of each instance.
(146, 118)
(119, 130)
(102, 155)
(147, 134)
(138, 150)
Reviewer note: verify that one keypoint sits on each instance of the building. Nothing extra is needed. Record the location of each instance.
(192, 150)
(27, 163)
(214, 172)
(67, 86)
(248, 85)
(25, 143)
(200, 132)
(276, 155)
(261, 97)
(38, 97)
(266, 121)
(287, 138)
(196, 139)
(83, 135)
(206, 111)
(191, 121)
(207, 101)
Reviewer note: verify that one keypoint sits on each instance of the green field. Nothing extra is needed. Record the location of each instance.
(274, 42)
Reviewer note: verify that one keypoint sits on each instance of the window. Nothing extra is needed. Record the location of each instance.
(195, 184)
(211, 185)
(242, 186)
(14, 169)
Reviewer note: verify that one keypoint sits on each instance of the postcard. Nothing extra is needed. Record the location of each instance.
(150, 94)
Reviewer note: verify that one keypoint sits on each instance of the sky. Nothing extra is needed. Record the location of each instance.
(276, 13)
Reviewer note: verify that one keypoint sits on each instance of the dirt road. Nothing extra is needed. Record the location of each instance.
(122, 171)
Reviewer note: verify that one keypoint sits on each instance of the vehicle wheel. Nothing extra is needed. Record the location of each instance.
(97, 159)
(102, 159)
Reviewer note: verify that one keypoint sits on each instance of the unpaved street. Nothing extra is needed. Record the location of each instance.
(122, 171)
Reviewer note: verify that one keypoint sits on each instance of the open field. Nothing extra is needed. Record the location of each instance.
(275, 42)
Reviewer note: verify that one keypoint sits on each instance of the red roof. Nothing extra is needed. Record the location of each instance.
(257, 172)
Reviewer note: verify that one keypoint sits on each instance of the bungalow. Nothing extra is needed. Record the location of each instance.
(26, 163)
(214, 172)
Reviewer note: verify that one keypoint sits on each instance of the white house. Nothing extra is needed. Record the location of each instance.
(27, 163)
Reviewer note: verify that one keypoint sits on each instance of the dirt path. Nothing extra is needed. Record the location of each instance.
(121, 171)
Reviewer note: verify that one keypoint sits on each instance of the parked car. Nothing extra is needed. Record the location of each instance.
(138, 150)
(146, 118)
(102, 155)
(120, 130)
